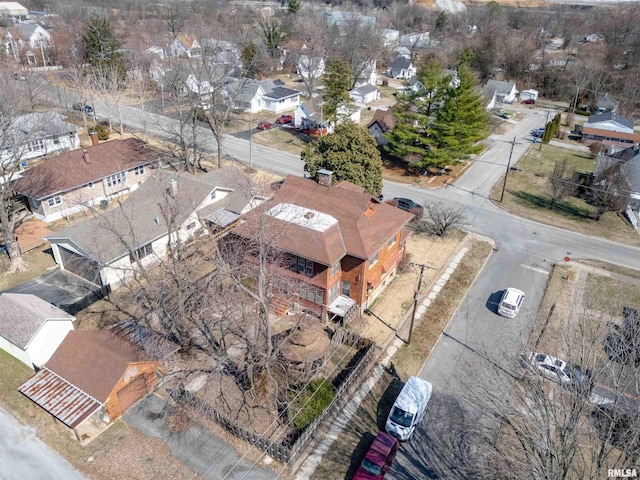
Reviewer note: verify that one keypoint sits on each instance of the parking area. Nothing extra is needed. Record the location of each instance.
(62, 289)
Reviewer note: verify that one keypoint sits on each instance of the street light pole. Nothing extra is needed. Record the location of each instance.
(504, 184)
(416, 296)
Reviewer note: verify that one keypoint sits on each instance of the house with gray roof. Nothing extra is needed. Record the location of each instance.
(28, 38)
(504, 92)
(254, 96)
(365, 94)
(401, 67)
(611, 129)
(168, 209)
(35, 135)
(625, 162)
(30, 328)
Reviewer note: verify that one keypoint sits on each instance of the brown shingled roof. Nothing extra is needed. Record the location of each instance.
(384, 118)
(364, 224)
(94, 360)
(76, 168)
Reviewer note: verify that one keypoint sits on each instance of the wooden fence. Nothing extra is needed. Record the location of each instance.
(285, 453)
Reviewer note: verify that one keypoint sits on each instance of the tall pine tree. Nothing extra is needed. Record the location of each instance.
(101, 47)
(337, 83)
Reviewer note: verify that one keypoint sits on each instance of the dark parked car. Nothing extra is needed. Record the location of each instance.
(529, 101)
(79, 106)
(408, 205)
(18, 76)
(378, 459)
(284, 119)
(265, 126)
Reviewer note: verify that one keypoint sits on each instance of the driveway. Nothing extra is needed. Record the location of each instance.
(24, 456)
(62, 289)
(209, 456)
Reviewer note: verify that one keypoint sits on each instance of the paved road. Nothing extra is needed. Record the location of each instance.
(23, 456)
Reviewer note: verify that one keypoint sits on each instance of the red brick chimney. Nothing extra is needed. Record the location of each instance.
(325, 177)
(85, 157)
(94, 138)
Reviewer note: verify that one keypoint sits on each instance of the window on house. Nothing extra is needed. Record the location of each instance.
(346, 288)
(333, 292)
(213, 195)
(311, 293)
(191, 226)
(139, 170)
(116, 179)
(303, 290)
(56, 141)
(35, 145)
(143, 251)
(319, 296)
(334, 269)
(309, 269)
(373, 260)
(54, 201)
(391, 242)
(301, 265)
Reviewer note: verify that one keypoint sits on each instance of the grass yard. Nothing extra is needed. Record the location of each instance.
(528, 194)
(609, 295)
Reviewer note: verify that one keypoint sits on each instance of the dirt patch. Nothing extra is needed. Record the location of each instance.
(395, 170)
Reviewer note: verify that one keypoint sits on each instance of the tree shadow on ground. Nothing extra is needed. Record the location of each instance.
(541, 202)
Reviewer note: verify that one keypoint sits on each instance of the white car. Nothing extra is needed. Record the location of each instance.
(510, 302)
(558, 370)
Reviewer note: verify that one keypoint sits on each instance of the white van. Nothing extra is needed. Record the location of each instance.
(409, 408)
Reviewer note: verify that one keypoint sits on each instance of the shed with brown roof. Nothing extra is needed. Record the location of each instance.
(91, 380)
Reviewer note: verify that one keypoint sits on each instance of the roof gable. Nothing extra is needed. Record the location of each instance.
(23, 315)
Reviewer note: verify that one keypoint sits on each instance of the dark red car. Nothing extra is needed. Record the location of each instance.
(265, 126)
(379, 457)
(529, 101)
(284, 119)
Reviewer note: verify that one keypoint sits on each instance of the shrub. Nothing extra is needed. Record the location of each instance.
(310, 402)
(102, 131)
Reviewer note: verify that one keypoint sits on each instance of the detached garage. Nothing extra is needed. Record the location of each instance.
(94, 377)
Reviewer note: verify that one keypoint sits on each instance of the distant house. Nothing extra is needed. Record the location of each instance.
(383, 121)
(401, 67)
(37, 134)
(343, 18)
(30, 328)
(606, 104)
(489, 94)
(185, 45)
(169, 208)
(95, 376)
(254, 96)
(390, 37)
(29, 39)
(365, 94)
(625, 162)
(79, 179)
(611, 129)
(528, 95)
(341, 247)
(368, 75)
(505, 92)
(310, 67)
(310, 115)
(14, 11)
(415, 40)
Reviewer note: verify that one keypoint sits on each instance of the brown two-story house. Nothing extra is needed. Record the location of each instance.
(80, 179)
(338, 245)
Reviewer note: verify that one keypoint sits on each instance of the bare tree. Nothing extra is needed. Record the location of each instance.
(440, 219)
(560, 182)
(610, 191)
(108, 83)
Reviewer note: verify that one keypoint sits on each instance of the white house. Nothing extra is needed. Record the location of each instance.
(167, 208)
(30, 328)
(254, 96)
(37, 134)
(610, 121)
(401, 67)
(368, 75)
(389, 36)
(185, 45)
(528, 95)
(310, 67)
(310, 115)
(30, 37)
(505, 92)
(365, 94)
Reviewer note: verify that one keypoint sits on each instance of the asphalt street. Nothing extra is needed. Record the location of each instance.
(25, 457)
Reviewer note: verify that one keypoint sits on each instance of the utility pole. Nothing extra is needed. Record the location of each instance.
(250, 139)
(416, 295)
(575, 102)
(504, 184)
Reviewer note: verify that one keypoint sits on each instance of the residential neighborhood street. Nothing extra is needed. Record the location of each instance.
(477, 340)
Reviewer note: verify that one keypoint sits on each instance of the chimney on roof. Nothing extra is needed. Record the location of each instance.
(173, 188)
(94, 138)
(85, 157)
(325, 177)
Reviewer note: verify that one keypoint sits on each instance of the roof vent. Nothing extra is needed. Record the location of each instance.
(85, 157)
(173, 188)
(308, 215)
(157, 219)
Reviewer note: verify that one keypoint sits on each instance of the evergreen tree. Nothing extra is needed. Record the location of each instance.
(337, 82)
(293, 6)
(273, 34)
(461, 121)
(101, 48)
(350, 153)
